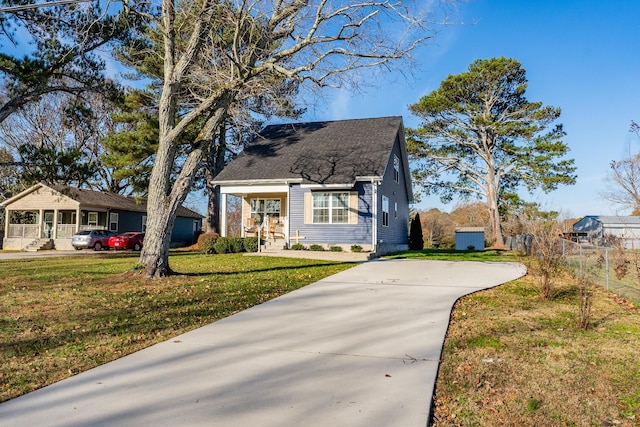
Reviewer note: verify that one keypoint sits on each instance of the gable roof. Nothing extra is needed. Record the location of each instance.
(614, 220)
(330, 152)
(98, 199)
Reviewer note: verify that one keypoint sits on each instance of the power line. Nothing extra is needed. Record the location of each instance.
(35, 6)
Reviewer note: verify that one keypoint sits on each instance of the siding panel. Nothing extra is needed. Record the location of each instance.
(332, 234)
(397, 233)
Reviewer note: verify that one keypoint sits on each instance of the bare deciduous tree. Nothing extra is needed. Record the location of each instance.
(240, 49)
(547, 252)
(624, 184)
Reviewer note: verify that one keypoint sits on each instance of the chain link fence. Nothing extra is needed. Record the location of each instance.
(613, 268)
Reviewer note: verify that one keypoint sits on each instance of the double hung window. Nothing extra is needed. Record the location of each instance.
(331, 208)
(385, 211)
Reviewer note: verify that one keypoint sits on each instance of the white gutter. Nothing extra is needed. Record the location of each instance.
(257, 181)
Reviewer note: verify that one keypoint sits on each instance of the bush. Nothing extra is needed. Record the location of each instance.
(356, 248)
(297, 247)
(335, 248)
(236, 245)
(316, 247)
(206, 243)
(222, 245)
(250, 244)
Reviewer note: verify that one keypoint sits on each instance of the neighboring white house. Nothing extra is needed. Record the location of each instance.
(598, 228)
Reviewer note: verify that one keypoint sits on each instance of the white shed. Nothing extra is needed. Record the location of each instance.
(470, 238)
(600, 227)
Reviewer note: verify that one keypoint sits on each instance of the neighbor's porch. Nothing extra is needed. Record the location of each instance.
(22, 227)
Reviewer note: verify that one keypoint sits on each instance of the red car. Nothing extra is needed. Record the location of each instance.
(129, 240)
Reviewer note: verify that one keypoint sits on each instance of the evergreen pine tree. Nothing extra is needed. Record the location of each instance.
(416, 242)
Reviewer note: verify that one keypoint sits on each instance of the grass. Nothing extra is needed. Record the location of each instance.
(512, 359)
(495, 255)
(62, 316)
(509, 359)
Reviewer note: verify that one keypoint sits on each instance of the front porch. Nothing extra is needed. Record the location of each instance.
(261, 214)
(48, 226)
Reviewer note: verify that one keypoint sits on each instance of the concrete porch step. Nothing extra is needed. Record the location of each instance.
(39, 245)
(273, 245)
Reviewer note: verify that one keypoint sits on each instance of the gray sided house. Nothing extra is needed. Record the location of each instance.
(48, 216)
(599, 229)
(334, 183)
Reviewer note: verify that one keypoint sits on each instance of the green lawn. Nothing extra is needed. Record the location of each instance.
(454, 255)
(61, 316)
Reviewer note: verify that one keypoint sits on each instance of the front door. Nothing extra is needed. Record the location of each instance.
(48, 224)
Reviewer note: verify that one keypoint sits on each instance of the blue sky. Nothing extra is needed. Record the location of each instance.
(581, 56)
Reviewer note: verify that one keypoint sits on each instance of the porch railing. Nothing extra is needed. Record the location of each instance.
(30, 231)
(93, 227)
(65, 231)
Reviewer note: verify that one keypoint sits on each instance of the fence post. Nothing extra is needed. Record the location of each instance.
(580, 257)
(606, 265)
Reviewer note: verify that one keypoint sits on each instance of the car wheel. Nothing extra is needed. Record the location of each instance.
(137, 247)
(76, 248)
(97, 246)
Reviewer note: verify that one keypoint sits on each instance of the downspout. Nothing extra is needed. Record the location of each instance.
(374, 218)
(288, 228)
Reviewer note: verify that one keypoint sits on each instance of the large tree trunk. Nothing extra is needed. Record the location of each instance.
(492, 201)
(161, 211)
(162, 205)
(215, 162)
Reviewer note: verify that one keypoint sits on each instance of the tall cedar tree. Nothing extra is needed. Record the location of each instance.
(481, 137)
(416, 241)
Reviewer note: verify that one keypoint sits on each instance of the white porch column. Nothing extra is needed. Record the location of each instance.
(55, 223)
(223, 215)
(40, 223)
(77, 220)
(6, 222)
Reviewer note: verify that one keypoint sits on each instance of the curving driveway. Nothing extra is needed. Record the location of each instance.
(360, 348)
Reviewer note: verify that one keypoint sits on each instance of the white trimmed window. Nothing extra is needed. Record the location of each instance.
(113, 221)
(261, 207)
(385, 211)
(93, 219)
(331, 208)
(396, 168)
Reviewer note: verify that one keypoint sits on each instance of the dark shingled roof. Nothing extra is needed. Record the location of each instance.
(100, 199)
(332, 152)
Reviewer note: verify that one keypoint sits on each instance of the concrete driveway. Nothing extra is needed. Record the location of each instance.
(46, 254)
(360, 348)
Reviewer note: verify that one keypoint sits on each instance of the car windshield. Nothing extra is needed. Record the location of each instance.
(83, 233)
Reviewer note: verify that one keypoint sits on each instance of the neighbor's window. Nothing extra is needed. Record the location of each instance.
(385, 211)
(93, 219)
(113, 221)
(331, 208)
